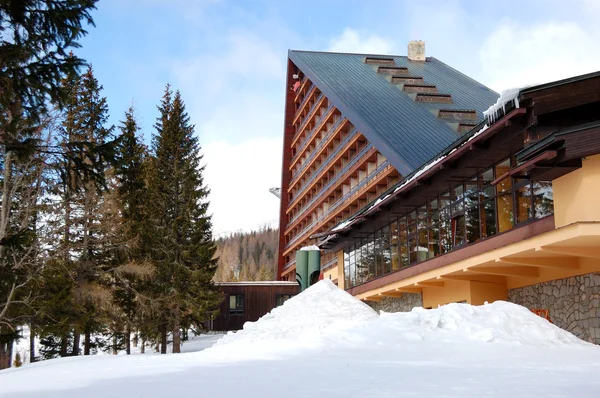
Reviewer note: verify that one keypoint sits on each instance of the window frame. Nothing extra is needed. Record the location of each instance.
(238, 309)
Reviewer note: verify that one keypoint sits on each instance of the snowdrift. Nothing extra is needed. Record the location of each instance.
(500, 322)
(324, 315)
(307, 318)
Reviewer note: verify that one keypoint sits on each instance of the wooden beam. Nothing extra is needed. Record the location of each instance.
(543, 262)
(507, 271)
(372, 298)
(429, 284)
(391, 294)
(409, 289)
(587, 252)
(475, 278)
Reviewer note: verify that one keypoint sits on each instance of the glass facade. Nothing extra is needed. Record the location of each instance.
(463, 215)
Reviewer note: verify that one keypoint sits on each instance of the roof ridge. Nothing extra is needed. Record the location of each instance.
(348, 53)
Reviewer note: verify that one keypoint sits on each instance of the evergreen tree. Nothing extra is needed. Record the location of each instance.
(83, 237)
(36, 35)
(134, 268)
(34, 57)
(22, 186)
(183, 249)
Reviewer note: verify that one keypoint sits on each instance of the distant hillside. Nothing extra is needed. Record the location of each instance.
(247, 256)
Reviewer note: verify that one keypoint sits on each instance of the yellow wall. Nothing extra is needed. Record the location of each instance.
(576, 194)
(337, 272)
(331, 273)
(490, 292)
(472, 292)
(452, 292)
(340, 270)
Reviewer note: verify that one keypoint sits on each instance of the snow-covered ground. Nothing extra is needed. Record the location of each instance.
(325, 343)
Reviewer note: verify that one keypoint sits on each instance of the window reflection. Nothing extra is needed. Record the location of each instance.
(462, 215)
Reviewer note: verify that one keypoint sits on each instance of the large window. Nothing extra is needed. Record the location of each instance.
(236, 303)
(462, 215)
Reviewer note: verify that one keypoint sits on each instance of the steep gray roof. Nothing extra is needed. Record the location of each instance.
(406, 132)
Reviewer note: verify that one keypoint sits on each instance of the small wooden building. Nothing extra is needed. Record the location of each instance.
(248, 301)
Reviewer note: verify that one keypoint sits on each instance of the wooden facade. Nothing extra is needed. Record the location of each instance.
(330, 170)
(350, 122)
(257, 299)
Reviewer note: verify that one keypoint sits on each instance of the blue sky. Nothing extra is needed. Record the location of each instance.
(228, 59)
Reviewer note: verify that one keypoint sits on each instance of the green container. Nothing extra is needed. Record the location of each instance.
(302, 268)
(314, 266)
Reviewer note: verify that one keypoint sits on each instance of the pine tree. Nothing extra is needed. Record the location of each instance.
(183, 249)
(133, 266)
(36, 36)
(21, 181)
(83, 243)
(34, 57)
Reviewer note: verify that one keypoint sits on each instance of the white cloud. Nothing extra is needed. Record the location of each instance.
(239, 176)
(235, 98)
(353, 41)
(514, 55)
(234, 94)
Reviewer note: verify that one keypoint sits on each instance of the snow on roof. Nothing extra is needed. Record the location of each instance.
(506, 96)
(256, 283)
(307, 248)
(341, 225)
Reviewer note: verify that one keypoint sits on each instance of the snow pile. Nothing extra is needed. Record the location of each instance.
(304, 320)
(500, 322)
(325, 316)
(458, 350)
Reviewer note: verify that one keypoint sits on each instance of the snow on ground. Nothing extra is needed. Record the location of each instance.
(303, 322)
(325, 343)
(194, 344)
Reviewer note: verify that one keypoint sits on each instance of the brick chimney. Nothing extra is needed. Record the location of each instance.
(416, 50)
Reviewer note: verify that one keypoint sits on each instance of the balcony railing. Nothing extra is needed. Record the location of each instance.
(296, 174)
(326, 164)
(289, 264)
(308, 117)
(340, 201)
(308, 136)
(304, 100)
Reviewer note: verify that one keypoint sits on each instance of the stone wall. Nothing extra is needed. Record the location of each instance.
(404, 303)
(573, 303)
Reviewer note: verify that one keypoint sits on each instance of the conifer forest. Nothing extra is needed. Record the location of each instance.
(105, 241)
